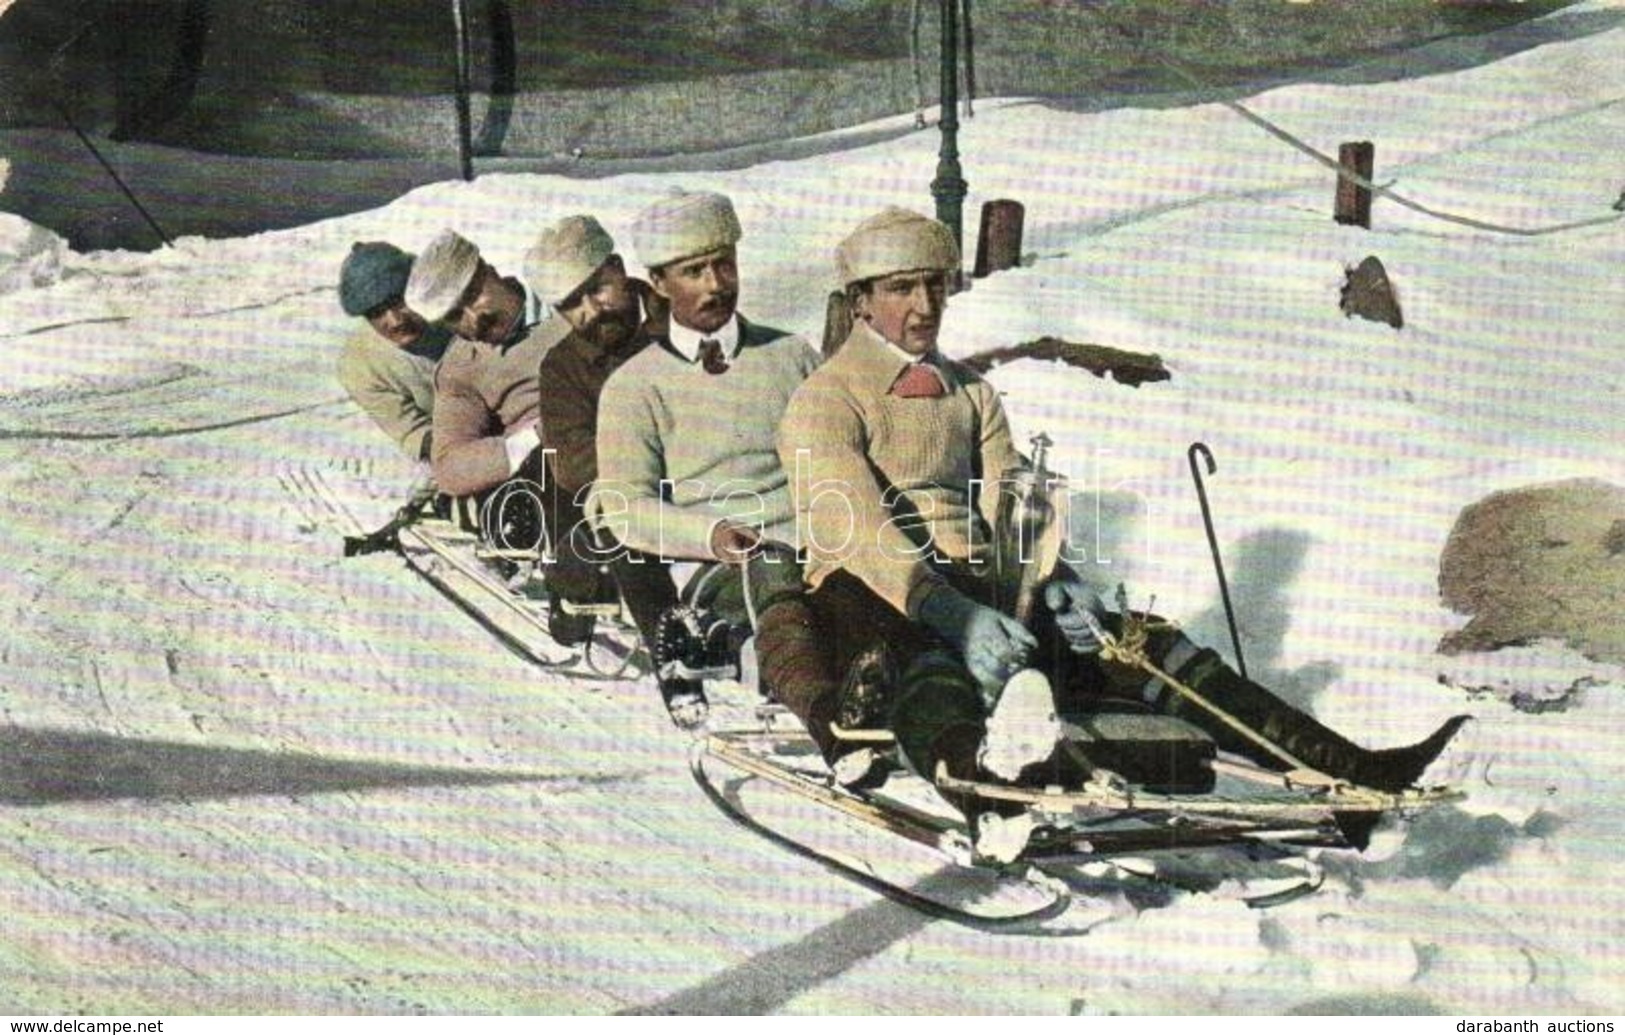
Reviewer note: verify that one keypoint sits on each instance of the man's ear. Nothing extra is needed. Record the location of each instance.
(857, 300)
(657, 280)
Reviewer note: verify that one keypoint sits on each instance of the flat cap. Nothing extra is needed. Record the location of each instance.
(373, 273)
(683, 224)
(440, 274)
(895, 240)
(564, 255)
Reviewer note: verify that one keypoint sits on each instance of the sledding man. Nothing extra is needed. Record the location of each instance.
(574, 267)
(487, 396)
(889, 443)
(387, 367)
(687, 463)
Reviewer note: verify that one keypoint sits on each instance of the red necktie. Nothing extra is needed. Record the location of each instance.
(711, 357)
(918, 381)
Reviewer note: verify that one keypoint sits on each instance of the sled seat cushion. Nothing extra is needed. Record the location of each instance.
(1163, 754)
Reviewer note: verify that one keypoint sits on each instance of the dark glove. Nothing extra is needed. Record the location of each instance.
(1074, 604)
(992, 644)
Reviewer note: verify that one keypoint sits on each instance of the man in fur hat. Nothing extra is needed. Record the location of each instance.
(892, 444)
(487, 422)
(387, 367)
(574, 267)
(485, 428)
(687, 463)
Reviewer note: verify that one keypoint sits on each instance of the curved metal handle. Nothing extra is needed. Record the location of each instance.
(1200, 449)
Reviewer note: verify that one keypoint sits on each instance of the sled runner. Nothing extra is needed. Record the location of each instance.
(1094, 849)
(500, 585)
(770, 784)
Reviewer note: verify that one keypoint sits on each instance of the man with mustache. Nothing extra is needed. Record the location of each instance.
(573, 265)
(687, 463)
(487, 396)
(486, 393)
(900, 563)
(388, 366)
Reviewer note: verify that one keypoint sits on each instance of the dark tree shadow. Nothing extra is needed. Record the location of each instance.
(768, 980)
(48, 767)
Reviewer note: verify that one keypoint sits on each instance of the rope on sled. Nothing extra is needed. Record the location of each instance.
(1129, 649)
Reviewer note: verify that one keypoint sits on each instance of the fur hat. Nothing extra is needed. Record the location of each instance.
(895, 240)
(440, 274)
(373, 273)
(565, 255)
(684, 223)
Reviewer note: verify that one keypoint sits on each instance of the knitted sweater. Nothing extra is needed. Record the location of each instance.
(573, 375)
(392, 385)
(680, 449)
(887, 487)
(482, 393)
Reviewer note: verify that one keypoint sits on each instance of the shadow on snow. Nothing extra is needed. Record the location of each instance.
(48, 767)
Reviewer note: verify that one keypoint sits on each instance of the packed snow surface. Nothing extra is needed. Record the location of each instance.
(241, 774)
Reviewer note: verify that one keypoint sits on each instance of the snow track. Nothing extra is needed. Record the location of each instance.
(240, 773)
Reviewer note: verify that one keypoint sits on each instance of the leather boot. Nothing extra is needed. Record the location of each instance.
(1389, 769)
(938, 717)
(936, 696)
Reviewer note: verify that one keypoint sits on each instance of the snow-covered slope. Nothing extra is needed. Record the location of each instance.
(239, 774)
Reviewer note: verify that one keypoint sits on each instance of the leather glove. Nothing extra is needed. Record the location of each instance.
(1071, 600)
(993, 645)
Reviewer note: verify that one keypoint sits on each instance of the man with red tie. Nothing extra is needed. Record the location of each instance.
(896, 453)
(890, 444)
(688, 467)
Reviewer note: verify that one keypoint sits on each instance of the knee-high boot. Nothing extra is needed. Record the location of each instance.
(1389, 769)
(938, 717)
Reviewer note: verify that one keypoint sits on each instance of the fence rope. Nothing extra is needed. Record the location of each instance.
(1377, 189)
(1381, 191)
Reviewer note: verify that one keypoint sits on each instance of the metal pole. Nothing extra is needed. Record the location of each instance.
(1199, 449)
(129, 195)
(949, 188)
(914, 63)
(970, 64)
(465, 128)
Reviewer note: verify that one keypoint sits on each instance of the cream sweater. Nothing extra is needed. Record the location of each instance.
(887, 487)
(680, 449)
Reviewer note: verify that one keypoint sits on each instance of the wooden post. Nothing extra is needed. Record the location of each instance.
(1353, 204)
(998, 244)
